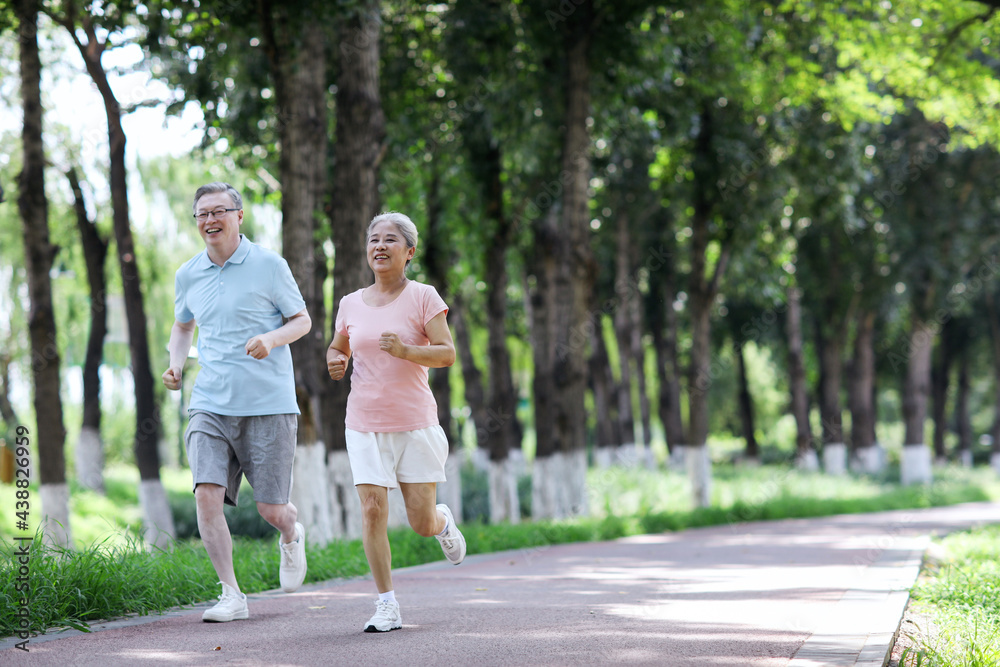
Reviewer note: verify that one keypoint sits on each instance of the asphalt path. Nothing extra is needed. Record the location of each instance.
(827, 591)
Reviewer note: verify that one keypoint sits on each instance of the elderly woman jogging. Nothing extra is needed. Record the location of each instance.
(395, 329)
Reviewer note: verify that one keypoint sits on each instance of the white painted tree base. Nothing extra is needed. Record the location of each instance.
(515, 461)
(604, 457)
(915, 465)
(311, 495)
(504, 503)
(835, 459)
(545, 486)
(158, 521)
(965, 458)
(869, 460)
(647, 458)
(808, 461)
(344, 500)
(627, 455)
(90, 459)
(481, 459)
(450, 492)
(995, 461)
(699, 469)
(559, 485)
(576, 463)
(677, 459)
(56, 530)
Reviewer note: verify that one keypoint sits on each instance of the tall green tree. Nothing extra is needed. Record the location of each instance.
(90, 448)
(84, 23)
(39, 254)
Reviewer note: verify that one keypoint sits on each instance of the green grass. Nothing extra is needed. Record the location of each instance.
(113, 575)
(959, 596)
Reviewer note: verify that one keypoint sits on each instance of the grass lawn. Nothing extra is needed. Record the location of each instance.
(957, 603)
(110, 574)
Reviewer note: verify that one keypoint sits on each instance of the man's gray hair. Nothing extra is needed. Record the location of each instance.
(212, 188)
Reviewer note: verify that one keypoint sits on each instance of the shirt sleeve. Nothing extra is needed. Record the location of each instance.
(181, 312)
(287, 296)
(340, 326)
(433, 304)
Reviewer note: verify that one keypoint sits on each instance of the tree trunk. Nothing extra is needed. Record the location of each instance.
(89, 447)
(829, 343)
(50, 433)
(805, 455)
(663, 323)
(158, 520)
(993, 315)
(504, 428)
(916, 460)
(940, 379)
(963, 423)
(436, 258)
(638, 355)
(6, 408)
(608, 437)
(703, 290)
(355, 201)
(564, 274)
(863, 396)
(623, 334)
(746, 407)
(295, 47)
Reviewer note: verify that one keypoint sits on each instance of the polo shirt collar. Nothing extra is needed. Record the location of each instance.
(242, 250)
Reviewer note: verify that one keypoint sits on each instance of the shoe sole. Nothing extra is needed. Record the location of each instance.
(372, 628)
(236, 617)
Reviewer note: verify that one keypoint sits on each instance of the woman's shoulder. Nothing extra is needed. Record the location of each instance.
(353, 297)
(423, 292)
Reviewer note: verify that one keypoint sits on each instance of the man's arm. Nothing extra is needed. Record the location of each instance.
(297, 326)
(181, 335)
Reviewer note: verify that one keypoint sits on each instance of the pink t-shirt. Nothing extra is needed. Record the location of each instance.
(388, 394)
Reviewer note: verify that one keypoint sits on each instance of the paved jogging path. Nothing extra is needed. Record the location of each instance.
(827, 591)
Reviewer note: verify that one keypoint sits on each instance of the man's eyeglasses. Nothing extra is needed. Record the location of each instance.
(217, 213)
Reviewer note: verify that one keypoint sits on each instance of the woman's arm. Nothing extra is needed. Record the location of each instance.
(438, 354)
(337, 355)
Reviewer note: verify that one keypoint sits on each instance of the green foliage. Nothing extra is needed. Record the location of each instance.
(959, 595)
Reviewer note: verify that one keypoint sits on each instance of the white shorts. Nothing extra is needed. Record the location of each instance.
(385, 459)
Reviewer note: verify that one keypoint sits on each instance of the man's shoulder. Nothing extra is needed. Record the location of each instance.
(191, 264)
(261, 256)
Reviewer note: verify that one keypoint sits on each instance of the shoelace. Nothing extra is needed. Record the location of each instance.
(287, 552)
(384, 608)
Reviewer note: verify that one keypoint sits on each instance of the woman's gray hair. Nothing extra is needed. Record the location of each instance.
(403, 224)
(212, 188)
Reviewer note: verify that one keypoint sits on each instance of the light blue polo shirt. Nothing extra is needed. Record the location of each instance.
(231, 304)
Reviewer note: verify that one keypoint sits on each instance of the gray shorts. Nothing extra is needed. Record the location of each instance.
(222, 448)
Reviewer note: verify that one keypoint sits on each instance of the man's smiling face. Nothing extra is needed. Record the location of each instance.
(221, 232)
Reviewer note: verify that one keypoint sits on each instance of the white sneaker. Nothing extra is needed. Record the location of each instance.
(453, 543)
(386, 617)
(232, 606)
(293, 561)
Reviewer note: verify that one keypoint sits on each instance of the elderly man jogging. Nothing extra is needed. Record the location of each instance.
(247, 308)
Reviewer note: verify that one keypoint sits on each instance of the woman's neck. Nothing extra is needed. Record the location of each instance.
(390, 284)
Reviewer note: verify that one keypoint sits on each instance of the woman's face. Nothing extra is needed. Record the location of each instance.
(387, 251)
